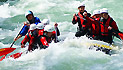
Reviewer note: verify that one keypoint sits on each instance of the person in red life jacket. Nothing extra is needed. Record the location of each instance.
(46, 22)
(30, 20)
(42, 42)
(34, 40)
(51, 34)
(30, 38)
(107, 26)
(96, 29)
(96, 14)
(40, 28)
(83, 21)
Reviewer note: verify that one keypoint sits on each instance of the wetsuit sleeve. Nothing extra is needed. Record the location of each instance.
(25, 40)
(44, 42)
(74, 20)
(37, 20)
(24, 30)
(114, 25)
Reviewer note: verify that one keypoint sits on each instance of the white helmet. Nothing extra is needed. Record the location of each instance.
(28, 13)
(40, 26)
(49, 28)
(46, 21)
(96, 12)
(32, 27)
(104, 10)
(81, 5)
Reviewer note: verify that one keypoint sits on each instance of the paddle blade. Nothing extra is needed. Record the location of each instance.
(3, 58)
(16, 55)
(121, 35)
(5, 51)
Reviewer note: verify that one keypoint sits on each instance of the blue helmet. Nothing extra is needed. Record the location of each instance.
(28, 13)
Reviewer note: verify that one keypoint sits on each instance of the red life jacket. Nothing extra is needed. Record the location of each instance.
(52, 37)
(49, 39)
(40, 32)
(28, 38)
(96, 29)
(104, 27)
(43, 42)
(81, 20)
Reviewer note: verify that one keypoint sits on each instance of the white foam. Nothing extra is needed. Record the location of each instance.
(22, 6)
(71, 52)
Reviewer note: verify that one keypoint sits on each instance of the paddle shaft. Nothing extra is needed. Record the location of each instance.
(16, 37)
(56, 34)
(12, 44)
(81, 18)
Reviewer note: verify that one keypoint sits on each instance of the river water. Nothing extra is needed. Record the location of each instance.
(70, 53)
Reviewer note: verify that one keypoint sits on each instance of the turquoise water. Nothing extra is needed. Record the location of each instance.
(69, 54)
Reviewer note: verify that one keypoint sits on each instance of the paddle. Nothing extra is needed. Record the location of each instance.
(3, 58)
(118, 34)
(121, 35)
(17, 55)
(81, 17)
(5, 51)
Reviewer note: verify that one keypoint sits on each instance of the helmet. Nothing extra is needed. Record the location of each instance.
(81, 5)
(32, 27)
(28, 12)
(49, 28)
(96, 12)
(40, 26)
(46, 21)
(104, 10)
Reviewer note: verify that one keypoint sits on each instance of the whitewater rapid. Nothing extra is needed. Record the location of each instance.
(70, 53)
